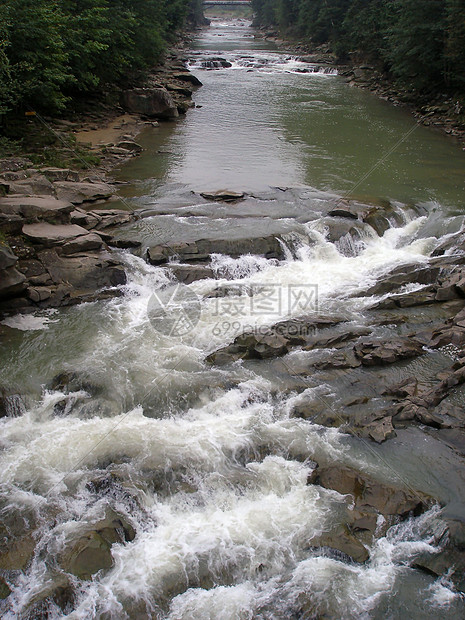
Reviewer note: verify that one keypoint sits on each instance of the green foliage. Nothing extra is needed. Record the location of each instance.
(421, 43)
(51, 50)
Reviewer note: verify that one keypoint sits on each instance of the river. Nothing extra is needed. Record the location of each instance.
(206, 462)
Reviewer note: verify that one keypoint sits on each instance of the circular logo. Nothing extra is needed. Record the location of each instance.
(174, 310)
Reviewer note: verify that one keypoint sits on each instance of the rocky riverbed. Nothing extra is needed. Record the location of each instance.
(300, 463)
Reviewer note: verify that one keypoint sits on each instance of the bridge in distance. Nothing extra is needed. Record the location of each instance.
(227, 3)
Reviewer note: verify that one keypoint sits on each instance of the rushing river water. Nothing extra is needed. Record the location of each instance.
(205, 462)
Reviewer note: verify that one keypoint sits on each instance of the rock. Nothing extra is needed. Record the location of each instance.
(450, 560)
(77, 193)
(383, 218)
(379, 352)
(422, 297)
(269, 247)
(4, 589)
(83, 243)
(340, 539)
(60, 174)
(130, 145)
(332, 341)
(403, 275)
(75, 381)
(11, 403)
(39, 294)
(187, 76)
(36, 184)
(91, 551)
(111, 217)
(223, 195)
(338, 361)
(10, 224)
(153, 102)
(14, 163)
(7, 258)
(18, 554)
(381, 430)
(39, 207)
(251, 345)
(123, 243)
(368, 493)
(50, 235)
(4, 189)
(12, 282)
(191, 273)
(82, 218)
(87, 272)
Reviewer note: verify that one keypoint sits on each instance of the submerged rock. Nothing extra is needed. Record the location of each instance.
(379, 352)
(223, 195)
(90, 552)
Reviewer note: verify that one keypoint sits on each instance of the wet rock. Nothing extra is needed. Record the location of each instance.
(78, 193)
(5, 590)
(341, 539)
(58, 592)
(49, 235)
(223, 195)
(269, 247)
(130, 145)
(379, 352)
(45, 208)
(187, 76)
(381, 430)
(152, 102)
(191, 273)
(335, 340)
(251, 345)
(382, 218)
(88, 272)
(39, 293)
(450, 560)
(404, 275)
(18, 552)
(338, 361)
(368, 493)
(90, 552)
(74, 381)
(11, 403)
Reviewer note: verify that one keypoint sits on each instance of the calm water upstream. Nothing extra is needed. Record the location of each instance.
(206, 462)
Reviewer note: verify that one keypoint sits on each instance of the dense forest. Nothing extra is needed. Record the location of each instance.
(419, 43)
(54, 50)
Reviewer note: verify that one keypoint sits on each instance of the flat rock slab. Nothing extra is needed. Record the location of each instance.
(77, 193)
(41, 207)
(50, 234)
(223, 195)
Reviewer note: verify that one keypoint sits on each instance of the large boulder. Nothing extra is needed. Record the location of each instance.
(38, 207)
(77, 193)
(370, 494)
(153, 102)
(86, 272)
(90, 552)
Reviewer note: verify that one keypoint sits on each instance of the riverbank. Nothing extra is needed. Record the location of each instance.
(57, 223)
